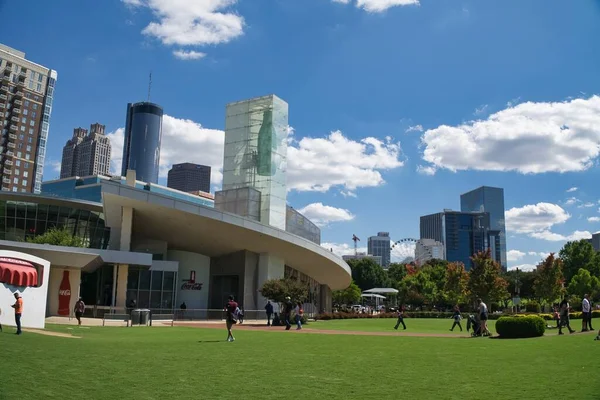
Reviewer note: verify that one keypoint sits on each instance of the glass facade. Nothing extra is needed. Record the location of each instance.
(151, 289)
(22, 220)
(44, 128)
(143, 135)
(490, 200)
(256, 133)
(312, 305)
(298, 224)
(380, 245)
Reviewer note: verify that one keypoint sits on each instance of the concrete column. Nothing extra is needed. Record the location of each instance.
(122, 275)
(114, 287)
(326, 300)
(126, 227)
(269, 267)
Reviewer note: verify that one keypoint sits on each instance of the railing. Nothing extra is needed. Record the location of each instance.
(178, 314)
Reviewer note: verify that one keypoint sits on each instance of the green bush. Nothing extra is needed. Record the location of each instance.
(520, 326)
(533, 307)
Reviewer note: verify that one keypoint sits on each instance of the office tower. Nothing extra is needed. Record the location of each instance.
(427, 249)
(462, 233)
(70, 154)
(26, 93)
(380, 246)
(189, 177)
(86, 154)
(255, 157)
(143, 135)
(490, 200)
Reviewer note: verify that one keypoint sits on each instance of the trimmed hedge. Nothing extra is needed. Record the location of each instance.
(520, 326)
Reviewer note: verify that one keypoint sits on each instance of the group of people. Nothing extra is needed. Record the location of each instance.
(235, 315)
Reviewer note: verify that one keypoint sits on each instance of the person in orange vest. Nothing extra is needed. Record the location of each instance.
(18, 306)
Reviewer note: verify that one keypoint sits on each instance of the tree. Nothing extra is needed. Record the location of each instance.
(525, 283)
(58, 237)
(576, 255)
(548, 285)
(278, 289)
(396, 272)
(350, 295)
(367, 274)
(583, 283)
(456, 281)
(485, 280)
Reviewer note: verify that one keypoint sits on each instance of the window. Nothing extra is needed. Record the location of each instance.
(33, 114)
(39, 87)
(26, 103)
(19, 154)
(30, 131)
(28, 147)
(20, 146)
(40, 77)
(22, 128)
(16, 181)
(29, 139)
(28, 156)
(17, 172)
(30, 85)
(21, 136)
(18, 163)
(35, 106)
(24, 183)
(15, 189)
(26, 165)
(25, 174)
(32, 123)
(23, 120)
(25, 111)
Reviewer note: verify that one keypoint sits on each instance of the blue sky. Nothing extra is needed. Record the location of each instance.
(397, 106)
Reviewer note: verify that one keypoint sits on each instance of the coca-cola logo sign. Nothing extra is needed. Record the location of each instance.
(64, 292)
(191, 284)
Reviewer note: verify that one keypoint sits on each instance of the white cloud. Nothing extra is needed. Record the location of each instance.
(571, 190)
(538, 254)
(415, 128)
(322, 215)
(514, 255)
(523, 267)
(188, 54)
(317, 164)
(183, 140)
(314, 164)
(557, 237)
(527, 138)
(594, 219)
(480, 110)
(376, 6)
(348, 193)
(535, 217)
(572, 200)
(586, 205)
(426, 170)
(343, 249)
(192, 22)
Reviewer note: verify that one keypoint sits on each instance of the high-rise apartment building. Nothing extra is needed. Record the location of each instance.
(26, 93)
(189, 177)
(490, 200)
(256, 158)
(462, 233)
(380, 245)
(143, 135)
(86, 154)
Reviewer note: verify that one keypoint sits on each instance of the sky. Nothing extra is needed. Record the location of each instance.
(396, 107)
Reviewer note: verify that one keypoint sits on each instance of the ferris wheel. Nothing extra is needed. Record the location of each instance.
(406, 250)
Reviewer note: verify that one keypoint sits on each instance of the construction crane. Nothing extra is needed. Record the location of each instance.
(355, 239)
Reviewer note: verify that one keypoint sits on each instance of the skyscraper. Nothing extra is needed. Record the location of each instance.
(380, 246)
(26, 93)
(143, 135)
(462, 233)
(86, 154)
(490, 200)
(256, 158)
(189, 177)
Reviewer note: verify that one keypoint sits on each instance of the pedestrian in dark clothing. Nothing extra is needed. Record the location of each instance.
(457, 317)
(564, 317)
(287, 312)
(269, 310)
(590, 315)
(400, 319)
(79, 310)
(276, 320)
(231, 308)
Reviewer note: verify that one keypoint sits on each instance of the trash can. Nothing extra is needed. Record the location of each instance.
(135, 317)
(144, 316)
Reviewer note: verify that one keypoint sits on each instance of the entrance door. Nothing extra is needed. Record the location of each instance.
(222, 287)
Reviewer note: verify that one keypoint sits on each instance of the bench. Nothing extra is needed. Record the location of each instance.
(115, 317)
(162, 317)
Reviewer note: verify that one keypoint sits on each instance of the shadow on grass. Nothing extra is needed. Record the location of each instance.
(212, 341)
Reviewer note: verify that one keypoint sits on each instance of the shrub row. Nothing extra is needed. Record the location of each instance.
(434, 314)
(519, 326)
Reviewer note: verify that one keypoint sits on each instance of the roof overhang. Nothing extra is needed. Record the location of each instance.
(190, 227)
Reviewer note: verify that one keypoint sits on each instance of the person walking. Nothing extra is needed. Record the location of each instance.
(231, 307)
(269, 311)
(564, 316)
(590, 315)
(483, 316)
(287, 312)
(457, 317)
(585, 312)
(18, 306)
(400, 318)
(299, 312)
(79, 310)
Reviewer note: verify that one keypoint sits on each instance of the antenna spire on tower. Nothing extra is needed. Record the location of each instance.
(149, 85)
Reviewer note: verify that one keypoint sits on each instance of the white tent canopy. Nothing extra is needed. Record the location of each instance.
(382, 291)
(372, 296)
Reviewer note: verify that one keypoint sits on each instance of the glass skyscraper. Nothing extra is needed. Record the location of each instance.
(256, 153)
(490, 200)
(380, 245)
(143, 135)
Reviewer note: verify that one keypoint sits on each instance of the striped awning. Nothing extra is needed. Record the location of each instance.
(18, 272)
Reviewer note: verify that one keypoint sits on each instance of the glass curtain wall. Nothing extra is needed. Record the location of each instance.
(151, 289)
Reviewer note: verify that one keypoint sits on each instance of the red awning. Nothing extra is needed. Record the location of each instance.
(17, 272)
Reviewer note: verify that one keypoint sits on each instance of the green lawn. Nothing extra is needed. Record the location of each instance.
(191, 363)
(413, 325)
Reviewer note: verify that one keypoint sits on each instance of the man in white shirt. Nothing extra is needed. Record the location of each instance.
(586, 311)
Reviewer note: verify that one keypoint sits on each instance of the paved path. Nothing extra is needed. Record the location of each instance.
(50, 333)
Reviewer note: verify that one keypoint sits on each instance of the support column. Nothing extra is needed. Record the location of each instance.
(114, 286)
(126, 227)
(269, 267)
(122, 275)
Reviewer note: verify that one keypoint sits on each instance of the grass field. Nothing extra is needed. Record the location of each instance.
(419, 325)
(192, 363)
